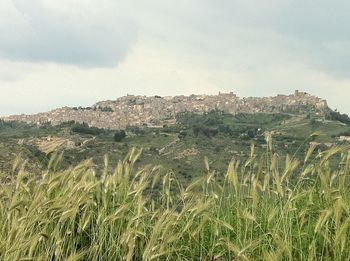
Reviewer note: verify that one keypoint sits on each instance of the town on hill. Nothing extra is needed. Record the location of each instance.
(156, 111)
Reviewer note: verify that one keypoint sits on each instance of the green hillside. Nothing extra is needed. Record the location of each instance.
(180, 147)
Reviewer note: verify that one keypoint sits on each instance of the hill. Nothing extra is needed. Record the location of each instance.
(158, 111)
(179, 147)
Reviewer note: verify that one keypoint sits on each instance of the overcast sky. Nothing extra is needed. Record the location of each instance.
(77, 52)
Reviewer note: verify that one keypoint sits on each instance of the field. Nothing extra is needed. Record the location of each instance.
(265, 209)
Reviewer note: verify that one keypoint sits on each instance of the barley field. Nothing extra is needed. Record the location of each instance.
(271, 207)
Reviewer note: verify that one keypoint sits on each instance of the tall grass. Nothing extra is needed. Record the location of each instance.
(268, 208)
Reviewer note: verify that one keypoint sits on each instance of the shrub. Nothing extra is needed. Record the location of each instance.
(106, 109)
(85, 129)
(119, 135)
(336, 116)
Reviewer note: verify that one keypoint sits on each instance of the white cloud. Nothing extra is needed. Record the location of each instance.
(67, 32)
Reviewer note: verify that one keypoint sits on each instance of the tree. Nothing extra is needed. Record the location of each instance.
(85, 129)
(336, 116)
(119, 135)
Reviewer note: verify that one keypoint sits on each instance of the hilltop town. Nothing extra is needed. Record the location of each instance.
(155, 111)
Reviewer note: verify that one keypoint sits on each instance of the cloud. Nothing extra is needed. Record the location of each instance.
(68, 32)
(101, 33)
(315, 32)
(251, 47)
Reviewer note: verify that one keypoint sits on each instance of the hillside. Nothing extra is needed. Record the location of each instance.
(180, 147)
(158, 111)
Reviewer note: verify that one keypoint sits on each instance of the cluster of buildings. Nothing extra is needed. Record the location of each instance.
(157, 111)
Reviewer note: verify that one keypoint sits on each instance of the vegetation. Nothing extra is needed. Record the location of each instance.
(344, 133)
(268, 208)
(242, 125)
(85, 129)
(336, 116)
(119, 135)
(179, 148)
(106, 109)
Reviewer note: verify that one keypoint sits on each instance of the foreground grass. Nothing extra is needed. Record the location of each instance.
(267, 209)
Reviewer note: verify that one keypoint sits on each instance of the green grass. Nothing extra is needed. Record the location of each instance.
(269, 207)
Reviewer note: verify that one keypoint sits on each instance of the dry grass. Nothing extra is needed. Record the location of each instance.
(267, 209)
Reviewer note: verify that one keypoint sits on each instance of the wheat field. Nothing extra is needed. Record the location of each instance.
(270, 207)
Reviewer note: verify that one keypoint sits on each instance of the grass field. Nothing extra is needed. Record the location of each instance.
(269, 207)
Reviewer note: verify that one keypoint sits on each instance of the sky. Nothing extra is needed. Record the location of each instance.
(77, 52)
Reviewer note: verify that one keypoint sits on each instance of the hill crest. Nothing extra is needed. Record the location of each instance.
(155, 111)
